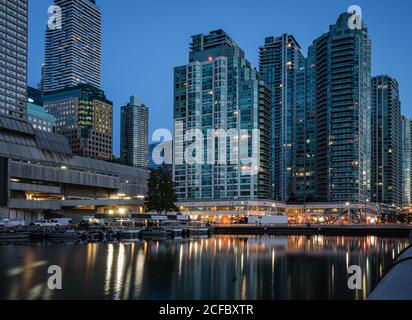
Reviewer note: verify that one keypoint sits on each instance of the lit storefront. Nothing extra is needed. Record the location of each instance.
(232, 212)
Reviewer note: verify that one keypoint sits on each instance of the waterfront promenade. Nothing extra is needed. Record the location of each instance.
(396, 230)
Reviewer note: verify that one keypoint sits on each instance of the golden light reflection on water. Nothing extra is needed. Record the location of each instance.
(109, 265)
(140, 263)
(119, 271)
(222, 267)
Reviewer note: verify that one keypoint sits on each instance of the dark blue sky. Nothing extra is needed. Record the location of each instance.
(143, 40)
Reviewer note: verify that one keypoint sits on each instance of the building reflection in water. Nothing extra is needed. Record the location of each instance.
(222, 267)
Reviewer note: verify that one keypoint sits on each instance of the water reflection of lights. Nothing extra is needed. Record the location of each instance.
(347, 260)
(27, 267)
(27, 272)
(108, 274)
(91, 255)
(273, 260)
(139, 273)
(244, 289)
(242, 261)
(119, 272)
(180, 261)
(248, 267)
(195, 248)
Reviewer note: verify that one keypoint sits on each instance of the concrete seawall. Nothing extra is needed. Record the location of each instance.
(397, 282)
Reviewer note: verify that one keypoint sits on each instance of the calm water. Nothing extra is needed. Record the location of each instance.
(221, 267)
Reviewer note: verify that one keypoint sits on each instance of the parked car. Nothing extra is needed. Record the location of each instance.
(11, 222)
(46, 223)
(56, 222)
(62, 222)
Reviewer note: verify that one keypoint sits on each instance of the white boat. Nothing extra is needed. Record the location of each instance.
(173, 228)
(194, 228)
(197, 230)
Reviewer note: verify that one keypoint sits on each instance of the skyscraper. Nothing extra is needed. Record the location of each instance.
(13, 62)
(279, 60)
(134, 134)
(73, 53)
(84, 116)
(343, 111)
(386, 139)
(406, 160)
(219, 92)
(304, 147)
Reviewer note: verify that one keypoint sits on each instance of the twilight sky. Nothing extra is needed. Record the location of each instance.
(143, 40)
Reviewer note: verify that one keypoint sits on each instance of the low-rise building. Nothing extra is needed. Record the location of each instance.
(40, 176)
(237, 211)
(36, 114)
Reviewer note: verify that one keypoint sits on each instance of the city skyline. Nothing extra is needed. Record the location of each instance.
(287, 176)
(147, 85)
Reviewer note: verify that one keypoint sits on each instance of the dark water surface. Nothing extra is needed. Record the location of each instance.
(220, 267)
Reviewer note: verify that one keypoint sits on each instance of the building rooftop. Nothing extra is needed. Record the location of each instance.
(18, 140)
(84, 91)
(215, 39)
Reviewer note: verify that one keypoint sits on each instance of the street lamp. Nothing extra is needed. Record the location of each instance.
(348, 211)
(238, 214)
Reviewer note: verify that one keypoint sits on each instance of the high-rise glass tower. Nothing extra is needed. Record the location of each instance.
(218, 91)
(386, 142)
(304, 150)
(13, 58)
(134, 134)
(406, 156)
(73, 53)
(279, 60)
(342, 58)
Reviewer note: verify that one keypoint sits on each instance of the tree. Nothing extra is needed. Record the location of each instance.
(161, 195)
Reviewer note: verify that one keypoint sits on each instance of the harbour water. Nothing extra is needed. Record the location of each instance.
(218, 267)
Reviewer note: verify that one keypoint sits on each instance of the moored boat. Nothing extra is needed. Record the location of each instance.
(128, 234)
(174, 232)
(70, 234)
(13, 235)
(154, 232)
(196, 229)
